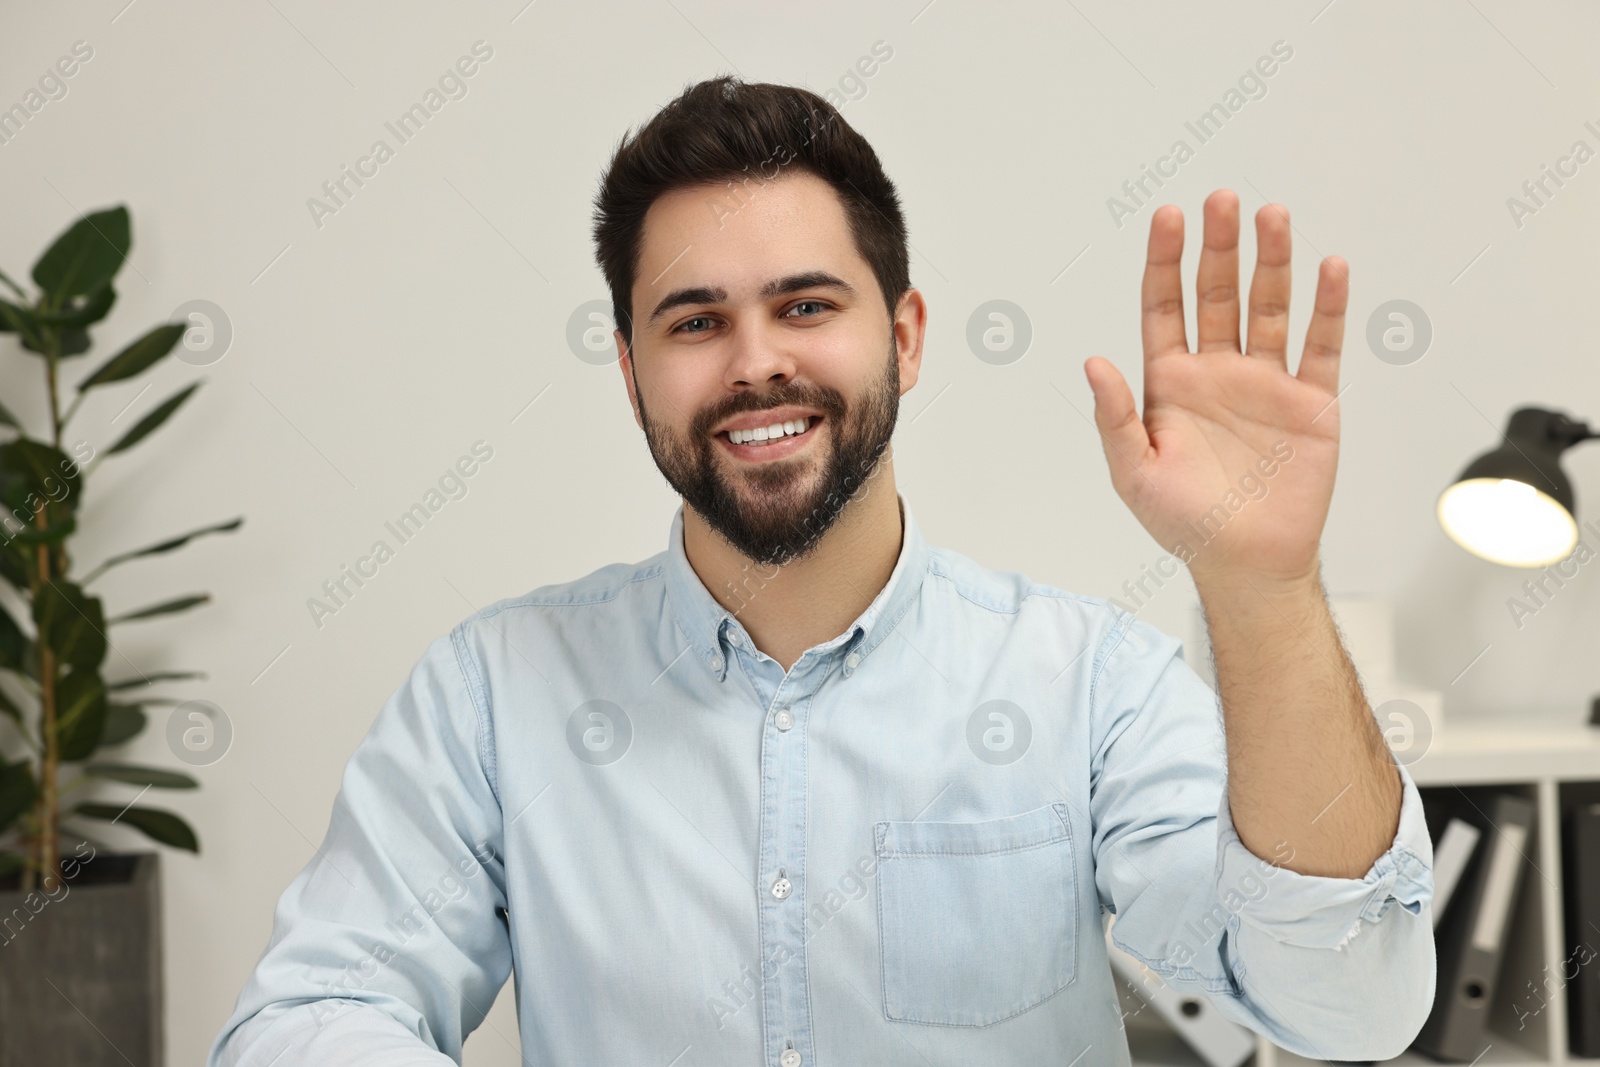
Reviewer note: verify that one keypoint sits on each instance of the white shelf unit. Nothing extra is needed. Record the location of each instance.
(1553, 762)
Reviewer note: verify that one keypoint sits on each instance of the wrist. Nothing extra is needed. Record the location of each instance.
(1233, 582)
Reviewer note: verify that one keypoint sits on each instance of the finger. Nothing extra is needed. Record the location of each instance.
(1161, 293)
(1269, 288)
(1319, 364)
(1216, 284)
(1122, 433)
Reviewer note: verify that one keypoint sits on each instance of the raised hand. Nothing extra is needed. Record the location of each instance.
(1218, 419)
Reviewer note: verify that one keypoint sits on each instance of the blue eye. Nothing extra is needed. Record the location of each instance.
(803, 303)
(697, 318)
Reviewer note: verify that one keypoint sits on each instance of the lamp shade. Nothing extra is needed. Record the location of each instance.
(1514, 505)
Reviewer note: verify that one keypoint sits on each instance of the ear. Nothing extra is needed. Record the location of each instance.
(625, 363)
(910, 326)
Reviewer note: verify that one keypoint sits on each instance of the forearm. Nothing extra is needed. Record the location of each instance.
(1307, 764)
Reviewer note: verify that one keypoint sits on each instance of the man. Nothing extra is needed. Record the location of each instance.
(802, 789)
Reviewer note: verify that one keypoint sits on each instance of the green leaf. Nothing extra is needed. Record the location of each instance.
(158, 676)
(86, 256)
(8, 419)
(80, 714)
(9, 709)
(33, 474)
(18, 318)
(135, 774)
(157, 416)
(70, 624)
(167, 607)
(71, 343)
(84, 311)
(13, 566)
(14, 644)
(17, 791)
(32, 535)
(123, 723)
(30, 665)
(160, 826)
(138, 356)
(164, 546)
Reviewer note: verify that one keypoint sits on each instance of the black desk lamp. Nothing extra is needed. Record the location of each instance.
(1514, 505)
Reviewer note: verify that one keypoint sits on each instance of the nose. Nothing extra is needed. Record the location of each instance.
(756, 358)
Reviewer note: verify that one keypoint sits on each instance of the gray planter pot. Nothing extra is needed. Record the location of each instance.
(80, 967)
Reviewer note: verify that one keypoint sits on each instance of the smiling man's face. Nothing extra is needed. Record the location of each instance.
(766, 372)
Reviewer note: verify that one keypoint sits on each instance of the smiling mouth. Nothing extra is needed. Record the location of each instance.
(771, 442)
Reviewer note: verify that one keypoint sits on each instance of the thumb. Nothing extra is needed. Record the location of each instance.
(1122, 432)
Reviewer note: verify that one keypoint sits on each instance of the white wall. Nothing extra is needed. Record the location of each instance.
(433, 307)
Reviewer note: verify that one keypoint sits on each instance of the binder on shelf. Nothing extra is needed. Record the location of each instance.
(1470, 937)
(1580, 867)
(1219, 1042)
(1450, 857)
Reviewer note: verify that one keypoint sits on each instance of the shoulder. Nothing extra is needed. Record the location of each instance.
(1096, 622)
(615, 586)
(952, 574)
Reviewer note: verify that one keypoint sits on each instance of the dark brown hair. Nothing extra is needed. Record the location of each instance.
(727, 130)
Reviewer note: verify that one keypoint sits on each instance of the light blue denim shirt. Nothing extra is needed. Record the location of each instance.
(897, 852)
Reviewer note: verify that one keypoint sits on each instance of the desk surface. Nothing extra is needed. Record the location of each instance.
(1510, 748)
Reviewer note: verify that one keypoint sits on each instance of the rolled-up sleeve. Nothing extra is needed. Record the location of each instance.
(1333, 968)
(388, 948)
(1318, 912)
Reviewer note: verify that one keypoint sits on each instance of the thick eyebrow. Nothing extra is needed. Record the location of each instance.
(704, 294)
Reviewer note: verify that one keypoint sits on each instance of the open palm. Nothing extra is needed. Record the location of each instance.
(1231, 467)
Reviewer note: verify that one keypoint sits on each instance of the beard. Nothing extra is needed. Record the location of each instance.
(774, 518)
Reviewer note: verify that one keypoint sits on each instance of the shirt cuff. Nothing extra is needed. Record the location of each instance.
(1320, 912)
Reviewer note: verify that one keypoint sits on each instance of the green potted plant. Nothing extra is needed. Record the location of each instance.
(62, 710)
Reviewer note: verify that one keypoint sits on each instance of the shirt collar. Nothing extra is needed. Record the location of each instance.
(705, 622)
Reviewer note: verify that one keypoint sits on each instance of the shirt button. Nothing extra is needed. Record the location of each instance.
(852, 661)
(734, 639)
(780, 889)
(790, 1058)
(784, 719)
(716, 662)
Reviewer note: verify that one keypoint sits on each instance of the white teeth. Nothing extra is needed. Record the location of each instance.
(769, 433)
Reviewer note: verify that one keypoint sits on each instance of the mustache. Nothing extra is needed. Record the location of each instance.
(827, 401)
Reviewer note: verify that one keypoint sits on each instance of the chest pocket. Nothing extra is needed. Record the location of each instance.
(977, 921)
